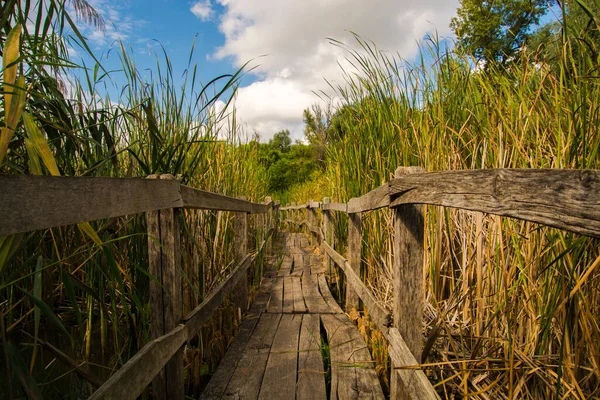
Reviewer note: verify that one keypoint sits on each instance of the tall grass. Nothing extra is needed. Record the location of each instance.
(84, 289)
(512, 307)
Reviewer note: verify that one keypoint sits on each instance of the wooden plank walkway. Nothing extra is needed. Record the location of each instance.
(294, 333)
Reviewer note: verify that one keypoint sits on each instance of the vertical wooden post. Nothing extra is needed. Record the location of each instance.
(268, 224)
(354, 256)
(409, 294)
(292, 216)
(328, 232)
(240, 243)
(164, 259)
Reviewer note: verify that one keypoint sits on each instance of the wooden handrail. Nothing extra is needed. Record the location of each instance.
(30, 202)
(565, 199)
(561, 198)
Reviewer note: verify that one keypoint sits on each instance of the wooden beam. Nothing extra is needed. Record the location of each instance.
(414, 382)
(343, 207)
(565, 199)
(328, 230)
(166, 305)
(354, 257)
(40, 202)
(407, 278)
(380, 316)
(198, 317)
(240, 243)
(130, 381)
(373, 200)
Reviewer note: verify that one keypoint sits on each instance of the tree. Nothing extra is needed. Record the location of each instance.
(281, 141)
(495, 30)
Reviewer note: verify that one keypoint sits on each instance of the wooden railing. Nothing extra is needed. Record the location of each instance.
(31, 203)
(565, 199)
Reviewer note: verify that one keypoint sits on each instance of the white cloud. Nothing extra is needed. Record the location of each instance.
(202, 9)
(293, 37)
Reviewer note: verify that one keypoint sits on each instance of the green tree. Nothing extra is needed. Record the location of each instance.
(494, 31)
(281, 141)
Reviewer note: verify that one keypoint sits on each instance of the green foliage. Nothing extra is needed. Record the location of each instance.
(494, 31)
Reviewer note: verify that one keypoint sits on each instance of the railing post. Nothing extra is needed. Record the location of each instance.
(408, 278)
(354, 257)
(164, 259)
(268, 224)
(292, 215)
(240, 243)
(328, 231)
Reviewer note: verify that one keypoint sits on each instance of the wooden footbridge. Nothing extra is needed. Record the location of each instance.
(294, 332)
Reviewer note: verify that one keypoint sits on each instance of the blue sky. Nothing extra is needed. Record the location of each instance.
(286, 38)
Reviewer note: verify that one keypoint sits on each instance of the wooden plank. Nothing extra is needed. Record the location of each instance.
(240, 240)
(565, 199)
(299, 306)
(378, 314)
(286, 267)
(196, 198)
(315, 303)
(279, 381)
(41, 202)
(288, 295)
(343, 207)
(415, 384)
(407, 280)
(353, 374)
(130, 381)
(343, 375)
(306, 262)
(328, 230)
(203, 312)
(276, 301)
(354, 258)
(311, 377)
(314, 204)
(247, 378)
(326, 294)
(166, 306)
(219, 381)
(375, 199)
(298, 263)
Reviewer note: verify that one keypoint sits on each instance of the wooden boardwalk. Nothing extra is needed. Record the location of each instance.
(294, 333)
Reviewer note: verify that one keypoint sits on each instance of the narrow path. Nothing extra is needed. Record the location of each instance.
(295, 334)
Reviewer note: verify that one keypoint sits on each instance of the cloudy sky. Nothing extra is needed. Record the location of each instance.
(285, 39)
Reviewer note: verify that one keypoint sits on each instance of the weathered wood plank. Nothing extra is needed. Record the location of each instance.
(299, 306)
(130, 381)
(314, 204)
(288, 295)
(311, 377)
(565, 199)
(298, 263)
(219, 381)
(343, 375)
(326, 294)
(240, 240)
(354, 257)
(196, 198)
(375, 199)
(315, 303)
(164, 264)
(276, 301)
(202, 313)
(343, 207)
(350, 361)
(378, 314)
(415, 384)
(247, 378)
(279, 381)
(40, 202)
(407, 277)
